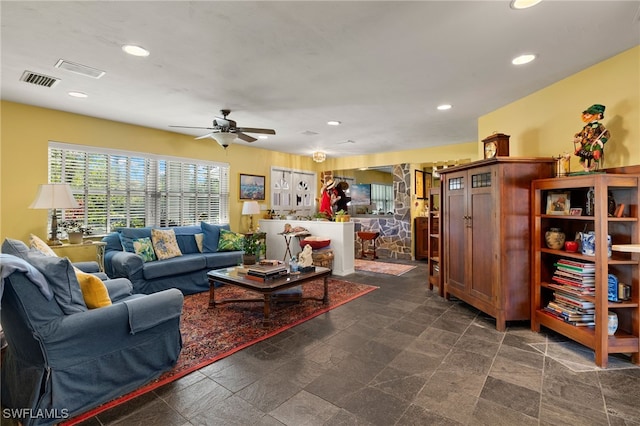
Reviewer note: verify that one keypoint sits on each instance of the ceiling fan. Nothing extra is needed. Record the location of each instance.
(225, 131)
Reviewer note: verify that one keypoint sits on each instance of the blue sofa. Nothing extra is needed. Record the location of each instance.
(187, 273)
(62, 358)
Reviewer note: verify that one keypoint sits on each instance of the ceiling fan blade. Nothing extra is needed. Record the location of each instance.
(190, 127)
(245, 138)
(254, 130)
(208, 135)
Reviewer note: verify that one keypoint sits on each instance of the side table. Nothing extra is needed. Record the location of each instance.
(287, 240)
(86, 251)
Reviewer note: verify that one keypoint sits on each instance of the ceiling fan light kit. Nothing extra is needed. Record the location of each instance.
(225, 131)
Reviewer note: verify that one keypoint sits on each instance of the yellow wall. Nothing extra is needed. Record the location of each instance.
(543, 123)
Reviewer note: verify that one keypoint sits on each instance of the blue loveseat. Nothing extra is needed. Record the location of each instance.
(62, 358)
(187, 273)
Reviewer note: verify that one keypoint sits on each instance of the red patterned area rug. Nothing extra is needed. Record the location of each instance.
(209, 335)
(381, 267)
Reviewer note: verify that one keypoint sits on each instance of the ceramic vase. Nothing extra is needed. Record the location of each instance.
(75, 237)
(554, 238)
(612, 323)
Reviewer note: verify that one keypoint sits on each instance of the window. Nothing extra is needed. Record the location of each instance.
(382, 197)
(120, 188)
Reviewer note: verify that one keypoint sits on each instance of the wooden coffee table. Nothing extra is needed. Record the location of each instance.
(231, 276)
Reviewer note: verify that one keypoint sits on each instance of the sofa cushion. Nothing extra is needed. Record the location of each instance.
(94, 292)
(144, 248)
(165, 243)
(15, 247)
(113, 242)
(211, 236)
(37, 243)
(230, 241)
(223, 259)
(185, 235)
(174, 266)
(128, 235)
(61, 276)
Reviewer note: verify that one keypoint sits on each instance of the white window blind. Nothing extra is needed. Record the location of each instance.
(382, 197)
(120, 188)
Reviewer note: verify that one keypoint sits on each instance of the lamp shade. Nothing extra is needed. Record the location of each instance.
(224, 139)
(250, 207)
(54, 196)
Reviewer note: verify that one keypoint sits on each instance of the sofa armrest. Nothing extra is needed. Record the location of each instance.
(83, 336)
(125, 265)
(90, 267)
(118, 288)
(148, 311)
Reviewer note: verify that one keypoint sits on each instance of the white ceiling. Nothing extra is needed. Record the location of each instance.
(380, 67)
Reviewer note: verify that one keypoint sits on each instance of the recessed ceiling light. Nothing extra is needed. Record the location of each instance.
(334, 123)
(523, 59)
(134, 50)
(523, 4)
(444, 107)
(78, 94)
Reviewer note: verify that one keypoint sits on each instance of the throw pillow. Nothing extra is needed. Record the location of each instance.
(211, 236)
(165, 243)
(199, 241)
(230, 241)
(94, 292)
(144, 248)
(37, 243)
(62, 280)
(127, 235)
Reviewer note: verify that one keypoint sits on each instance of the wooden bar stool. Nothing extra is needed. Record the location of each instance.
(368, 236)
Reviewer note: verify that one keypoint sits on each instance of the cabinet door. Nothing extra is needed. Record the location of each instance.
(481, 213)
(455, 227)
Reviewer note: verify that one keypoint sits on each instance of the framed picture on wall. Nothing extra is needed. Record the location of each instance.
(419, 184)
(252, 187)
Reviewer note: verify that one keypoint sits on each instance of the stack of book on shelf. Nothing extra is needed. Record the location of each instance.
(266, 270)
(571, 282)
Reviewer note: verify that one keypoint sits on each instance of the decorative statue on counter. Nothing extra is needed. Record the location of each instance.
(589, 142)
(326, 195)
(305, 258)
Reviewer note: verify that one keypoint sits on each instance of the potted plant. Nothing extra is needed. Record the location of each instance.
(252, 245)
(343, 216)
(291, 215)
(75, 230)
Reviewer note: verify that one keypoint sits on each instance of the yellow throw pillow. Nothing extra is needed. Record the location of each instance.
(199, 241)
(36, 243)
(94, 291)
(165, 244)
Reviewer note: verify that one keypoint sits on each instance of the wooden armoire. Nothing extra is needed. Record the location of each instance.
(486, 234)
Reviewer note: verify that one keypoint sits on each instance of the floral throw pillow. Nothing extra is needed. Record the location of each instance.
(165, 244)
(144, 248)
(230, 241)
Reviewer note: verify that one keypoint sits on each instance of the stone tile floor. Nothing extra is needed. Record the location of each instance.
(400, 355)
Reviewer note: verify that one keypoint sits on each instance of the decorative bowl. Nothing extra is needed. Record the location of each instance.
(315, 242)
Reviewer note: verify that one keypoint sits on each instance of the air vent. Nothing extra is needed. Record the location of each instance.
(39, 79)
(309, 133)
(80, 69)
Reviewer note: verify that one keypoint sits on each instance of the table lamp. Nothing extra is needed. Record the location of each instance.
(54, 196)
(250, 208)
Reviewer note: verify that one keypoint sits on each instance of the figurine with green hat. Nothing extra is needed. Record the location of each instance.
(589, 142)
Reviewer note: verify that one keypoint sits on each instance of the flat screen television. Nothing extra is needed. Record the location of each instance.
(360, 194)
